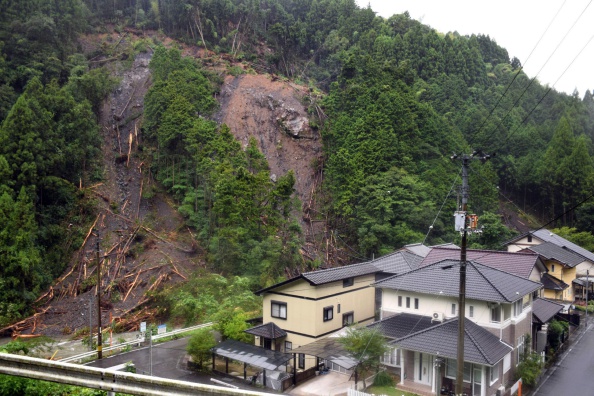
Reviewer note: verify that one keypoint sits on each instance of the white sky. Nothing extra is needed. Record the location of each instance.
(517, 26)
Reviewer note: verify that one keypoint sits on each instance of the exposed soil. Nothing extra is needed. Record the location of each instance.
(143, 243)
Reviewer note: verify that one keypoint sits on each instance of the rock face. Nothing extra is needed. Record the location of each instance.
(272, 112)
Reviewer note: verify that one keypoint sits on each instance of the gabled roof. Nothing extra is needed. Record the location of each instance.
(418, 249)
(548, 236)
(482, 282)
(267, 330)
(480, 346)
(544, 310)
(550, 282)
(324, 276)
(394, 263)
(397, 262)
(402, 324)
(551, 251)
(520, 264)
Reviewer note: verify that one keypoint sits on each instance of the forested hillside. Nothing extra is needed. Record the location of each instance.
(391, 98)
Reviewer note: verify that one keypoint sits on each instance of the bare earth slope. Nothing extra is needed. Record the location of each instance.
(143, 243)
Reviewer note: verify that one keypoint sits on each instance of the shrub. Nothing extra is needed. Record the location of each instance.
(383, 379)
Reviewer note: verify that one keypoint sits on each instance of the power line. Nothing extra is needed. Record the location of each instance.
(471, 140)
(441, 207)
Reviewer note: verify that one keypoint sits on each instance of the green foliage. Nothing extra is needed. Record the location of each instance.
(199, 346)
(366, 346)
(529, 369)
(225, 192)
(204, 296)
(555, 333)
(383, 379)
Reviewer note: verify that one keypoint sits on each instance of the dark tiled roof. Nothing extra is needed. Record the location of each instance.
(552, 251)
(251, 354)
(480, 346)
(324, 276)
(403, 324)
(394, 263)
(267, 330)
(329, 348)
(548, 236)
(417, 249)
(544, 310)
(482, 282)
(520, 264)
(550, 282)
(397, 263)
(321, 277)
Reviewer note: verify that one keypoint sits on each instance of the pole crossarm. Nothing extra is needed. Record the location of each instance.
(109, 380)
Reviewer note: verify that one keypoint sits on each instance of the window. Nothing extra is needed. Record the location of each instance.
(288, 345)
(470, 311)
(529, 237)
(399, 301)
(338, 309)
(552, 267)
(407, 302)
(506, 363)
(453, 309)
(328, 313)
(348, 318)
(391, 358)
(416, 303)
(520, 350)
(452, 367)
(496, 313)
(348, 282)
(494, 373)
(279, 310)
(518, 306)
(301, 361)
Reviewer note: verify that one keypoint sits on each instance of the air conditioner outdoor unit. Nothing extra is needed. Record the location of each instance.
(437, 317)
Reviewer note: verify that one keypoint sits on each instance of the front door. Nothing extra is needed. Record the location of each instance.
(423, 368)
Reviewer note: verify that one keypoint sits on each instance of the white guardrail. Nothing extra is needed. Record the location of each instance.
(140, 338)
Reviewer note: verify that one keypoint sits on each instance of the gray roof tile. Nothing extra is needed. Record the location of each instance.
(548, 236)
(482, 282)
(552, 251)
(267, 330)
(480, 346)
(550, 282)
(520, 264)
(544, 310)
(402, 324)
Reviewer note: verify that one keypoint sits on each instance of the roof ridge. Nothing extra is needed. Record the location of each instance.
(475, 341)
(474, 264)
(334, 268)
(447, 321)
(409, 272)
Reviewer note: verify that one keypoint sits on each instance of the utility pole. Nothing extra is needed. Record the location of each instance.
(587, 291)
(461, 225)
(99, 340)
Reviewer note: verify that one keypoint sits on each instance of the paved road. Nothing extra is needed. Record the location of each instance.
(169, 361)
(573, 373)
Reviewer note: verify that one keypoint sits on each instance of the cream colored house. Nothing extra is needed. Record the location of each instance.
(316, 304)
(419, 313)
(313, 305)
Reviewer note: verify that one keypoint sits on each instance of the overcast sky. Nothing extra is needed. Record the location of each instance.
(518, 26)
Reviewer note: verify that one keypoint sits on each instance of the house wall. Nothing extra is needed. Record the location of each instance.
(428, 304)
(523, 244)
(305, 309)
(580, 269)
(566, 274)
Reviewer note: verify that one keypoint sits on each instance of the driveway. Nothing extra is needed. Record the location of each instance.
(329, 384)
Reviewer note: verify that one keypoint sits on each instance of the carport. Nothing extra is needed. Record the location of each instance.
(249, 354)
(332, 352)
